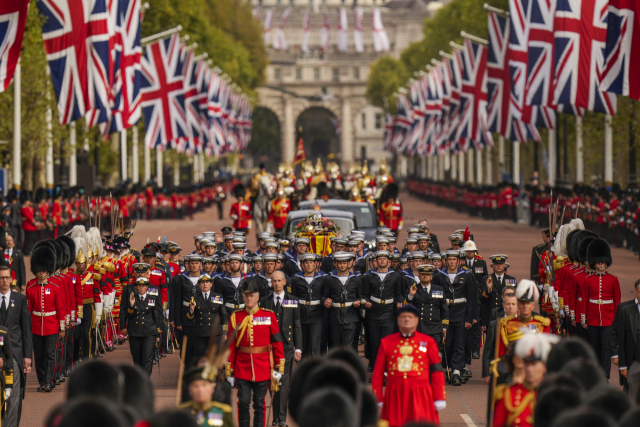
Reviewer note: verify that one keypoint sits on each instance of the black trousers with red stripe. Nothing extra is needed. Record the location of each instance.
(259, 389)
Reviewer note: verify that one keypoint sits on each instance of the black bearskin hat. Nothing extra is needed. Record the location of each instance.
(43, 258)
(569, 244)
(582, 248)
(71, 245)
(25, 196)
(392, 191)
(239, 190)
(599, 251)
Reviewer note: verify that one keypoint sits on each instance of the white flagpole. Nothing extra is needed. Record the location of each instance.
(147, 164)
(134, 156)
(552, 157)
(17, 128)
(159, 167)
(123, 153)
(516, 163)
(49, 157)
(161, 35)
(608, 151)
(579, 152)
(73, 164)
(176, 173)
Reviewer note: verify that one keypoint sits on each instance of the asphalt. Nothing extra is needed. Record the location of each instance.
(466, 405)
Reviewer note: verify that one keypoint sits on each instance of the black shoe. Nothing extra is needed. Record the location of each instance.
(168, 351)
(62, 378)
(275, 423)
(40, 389)
(163, 355)
(467, 373)
(456, 380)
(283, 424)
(475, 355)
(57, 382)
(68, 372)
(48, 388)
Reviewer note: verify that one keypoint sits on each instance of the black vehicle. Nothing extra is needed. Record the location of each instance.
(364, 213)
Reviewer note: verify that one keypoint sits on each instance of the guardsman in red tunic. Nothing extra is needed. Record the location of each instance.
(90, 291)
(280, 209)
(110, 263)
(241, 210)
(390, 211)
(174, 252)
(46, 306)
(256, 356)
(415, 379)
(515, 404)
(600, 300)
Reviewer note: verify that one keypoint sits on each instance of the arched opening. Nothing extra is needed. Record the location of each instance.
(264, 146)
(320, 134)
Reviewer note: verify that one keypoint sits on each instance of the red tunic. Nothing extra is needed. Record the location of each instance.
(570, 289)
(600, 299)
(159, 279)
(279, 211)
(259, 331)
(515, 406)
(243, 212)
(391, 215)
(415, 379)
(28, 218)
(46, 306)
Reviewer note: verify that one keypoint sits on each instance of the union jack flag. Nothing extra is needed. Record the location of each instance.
(418, 116)
(580, 36)
(214, 97)
(402, 125)
(162, 92)
(127, 78)
(76, 39)
(454, 69)
(499, 117)
(446, 99)
(13, 15)
(433, 108)
(192, 96)
(623, 38)
(203, 76)
(473, 98)
(388, 131)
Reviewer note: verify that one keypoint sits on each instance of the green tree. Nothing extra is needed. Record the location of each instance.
(387, 75)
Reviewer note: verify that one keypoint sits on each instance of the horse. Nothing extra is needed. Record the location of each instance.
(262, 204)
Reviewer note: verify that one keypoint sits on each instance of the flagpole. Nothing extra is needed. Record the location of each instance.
(17, 127)
(579, 152)
(516, 162)
(461, 177)
(176, 173)
(552, 158)
(159, 167)
(147, 164)
(123, 154)
(489, 166)
(134, 156)
(474, 38)
(160, 35)
(495, 10)
(73, 164)
(608, 151)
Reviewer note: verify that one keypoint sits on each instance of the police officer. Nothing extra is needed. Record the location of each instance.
(144, 324)
(382, 290)
(307, 286)
(461, 293)
(430, 300)
(343, 296)
(204, 307)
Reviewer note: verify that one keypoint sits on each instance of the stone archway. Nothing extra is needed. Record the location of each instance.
(320, 133)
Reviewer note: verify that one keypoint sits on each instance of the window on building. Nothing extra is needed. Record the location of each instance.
(336, 74)
(378, 121)
(298, 73)
(276, 73)
(364, 121)
(356, 73)
(316, 74)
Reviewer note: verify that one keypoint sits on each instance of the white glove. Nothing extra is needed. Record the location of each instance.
(277, 375)
(112, 300)
(440, 404)
(234, 216)
(166, 314)
(232, 381)
(399, 227)
(78, 321)
(7, 393)
(249, 227)
(98, 307)
(380, 405)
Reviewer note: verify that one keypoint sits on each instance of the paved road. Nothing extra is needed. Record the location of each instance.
(465, 405)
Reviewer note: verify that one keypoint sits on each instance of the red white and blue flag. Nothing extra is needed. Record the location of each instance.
(215, 94)
(192, 95)
(622, 61)
(454, 69)
(76, 39)
(416, 131)
(162, 92)
(388, 131)
(403, 123)
(13, 16)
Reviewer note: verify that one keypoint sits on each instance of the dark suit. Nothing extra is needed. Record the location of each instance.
(288, 315)
(433, 243)
(434, 313)
(18, 267)
(613, 338)
(478, 270)
(629, 346)
(493, 300)
(204, 315)
(145, 323)
(18, 322)
(311, 311)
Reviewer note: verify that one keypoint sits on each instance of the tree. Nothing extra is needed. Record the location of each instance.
(387, 75)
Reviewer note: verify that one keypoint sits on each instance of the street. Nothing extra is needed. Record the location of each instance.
(466, 405)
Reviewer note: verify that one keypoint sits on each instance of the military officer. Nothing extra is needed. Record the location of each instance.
(183, 288)
(492, 287)
(430, 300)
(204, 307)
(241, 210)
(461, 293)
(256, 355)
(382, 290)
(90, 283)
(280, 208)
(206, 411)
(292, 264)
(142, 316)
(536, 253)
(390, 210)
(307, 286)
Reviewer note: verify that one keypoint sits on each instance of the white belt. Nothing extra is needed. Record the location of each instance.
(341, 304)
(382, 301)
(579, 298)
(186, 303)
(457, 300)
(303, 302)
(41, 314)
(601, 301)
(234, 306)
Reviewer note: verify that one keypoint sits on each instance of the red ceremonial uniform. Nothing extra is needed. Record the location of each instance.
(159, 279)
(391, 215)
(601, 296)
(46, 305)
(28, 218)
(90, 287)
(75, 294)
(415, 379)
(570, 289)
(578, 286)
(257, 333)
(515, 405)
(242, 210)
(280, 209)
(510, 330)
(175, 268)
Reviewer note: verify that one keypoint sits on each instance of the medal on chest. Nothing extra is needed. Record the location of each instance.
(215, 419)
(151, 302)
(47, 291)
(257, 321)
(216, 300)
(153, 292)
(405, 362)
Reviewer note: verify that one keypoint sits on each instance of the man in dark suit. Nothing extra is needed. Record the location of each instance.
(613, 338)
(536, 253)
(15, 260)
(478, 269)
(142, 316)
(285, 306)
(492, 288)
(628, 331)
(15, 317)
(205, 306)
(430, 300)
